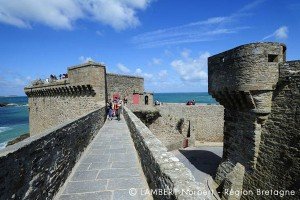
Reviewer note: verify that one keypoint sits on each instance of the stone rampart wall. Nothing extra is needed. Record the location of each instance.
(260, 93)
(51, 104)
(49, 111)
(124, 85)
(38, 166)
(278, 166)
(161, 168)
(206, 121)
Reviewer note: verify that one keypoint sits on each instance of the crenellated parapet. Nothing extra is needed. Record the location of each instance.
(52, 103)
(85, 87)
(65, 90)
(252, 82)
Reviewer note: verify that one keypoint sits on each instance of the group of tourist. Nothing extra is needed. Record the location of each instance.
(53, 78)
(114, 108)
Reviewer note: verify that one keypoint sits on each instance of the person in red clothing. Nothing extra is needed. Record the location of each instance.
(117, 108)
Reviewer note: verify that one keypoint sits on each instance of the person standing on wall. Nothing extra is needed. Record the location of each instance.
(117, 108)
(109, 109)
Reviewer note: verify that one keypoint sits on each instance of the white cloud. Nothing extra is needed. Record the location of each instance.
(123, 68)
(162, 74)
(54, 13)
(167, 53)
(147, 76)
(156, 61)
(280, 33)
(12, 83)
(138, 71)
(191, 69)
(185, 53)
(84, 59)
(204, 30)
(62, 14)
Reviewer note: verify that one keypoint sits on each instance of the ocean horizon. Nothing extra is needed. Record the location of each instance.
(14, 118)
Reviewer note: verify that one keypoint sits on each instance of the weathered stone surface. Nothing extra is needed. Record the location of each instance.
(87, 88)
(126, 86)
(54, 103)
(171, 123)
(162, 169)
(260, 93)
(36, 167)
(116, 176)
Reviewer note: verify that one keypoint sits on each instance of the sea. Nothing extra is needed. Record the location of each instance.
(199, 97)
(14, 119)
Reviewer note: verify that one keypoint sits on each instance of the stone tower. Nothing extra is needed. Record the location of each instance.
(254, 84)
(51, 104)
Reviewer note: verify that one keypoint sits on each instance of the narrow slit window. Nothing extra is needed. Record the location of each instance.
(272, 58)
(222, 59)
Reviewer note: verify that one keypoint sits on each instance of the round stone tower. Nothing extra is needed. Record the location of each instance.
(243, 80)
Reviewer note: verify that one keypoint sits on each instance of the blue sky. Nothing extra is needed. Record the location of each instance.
(165, 41)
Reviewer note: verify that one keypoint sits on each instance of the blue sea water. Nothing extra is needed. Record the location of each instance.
(199, 97)
(13, 119)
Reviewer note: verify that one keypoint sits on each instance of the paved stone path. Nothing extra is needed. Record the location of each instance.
(108, 168)
(202, 161)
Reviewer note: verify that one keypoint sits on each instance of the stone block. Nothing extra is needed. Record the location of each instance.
(85, 186)
(118, 173)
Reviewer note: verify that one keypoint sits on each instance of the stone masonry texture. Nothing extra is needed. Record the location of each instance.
(204, 121)
(36, 167)
(124, 85)
(87, 87)
(171, 123)
(161, 168)
(260, 93)
(108, 169)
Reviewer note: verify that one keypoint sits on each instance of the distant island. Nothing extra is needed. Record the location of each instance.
(10, 96)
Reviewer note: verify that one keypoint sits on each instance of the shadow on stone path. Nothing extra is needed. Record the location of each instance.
(108, 168)
(202, 161)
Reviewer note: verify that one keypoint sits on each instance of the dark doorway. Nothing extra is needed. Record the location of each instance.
(146, 100)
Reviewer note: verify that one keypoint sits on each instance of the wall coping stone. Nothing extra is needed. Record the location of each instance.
(170, 172)
(250, 44)
(123, 75)
(90, 63)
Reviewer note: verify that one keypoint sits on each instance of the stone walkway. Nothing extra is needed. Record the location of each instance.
(108, 168)
(202, 161)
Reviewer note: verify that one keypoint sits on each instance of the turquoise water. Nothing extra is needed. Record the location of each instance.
(199, 97)
(14, 118)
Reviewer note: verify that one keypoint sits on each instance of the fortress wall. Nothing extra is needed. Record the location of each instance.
(54, 103)
(93, 74)
(260, 93)
(206, 121)
(124, 85)
(47, 112)
(161, 168)
(37, 167)
(278, 166)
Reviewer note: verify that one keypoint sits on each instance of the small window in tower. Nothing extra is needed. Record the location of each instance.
(272, 58)
(222, 59)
